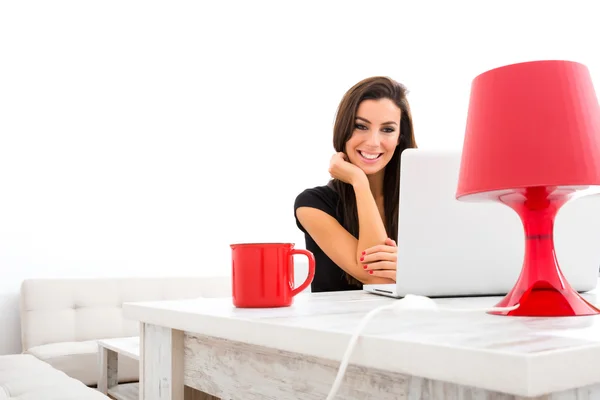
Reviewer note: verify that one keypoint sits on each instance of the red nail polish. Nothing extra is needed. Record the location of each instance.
(371, 272)
(362, 258)
(364, 266)
(363, 253)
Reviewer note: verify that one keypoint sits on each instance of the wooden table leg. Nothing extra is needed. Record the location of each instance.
(162, 363)
(108, 364)
(161, 366)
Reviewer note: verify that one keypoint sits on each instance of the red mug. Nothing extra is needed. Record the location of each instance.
(263, 274)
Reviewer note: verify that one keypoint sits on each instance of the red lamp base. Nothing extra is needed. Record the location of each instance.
(544, 300)
(541, 289)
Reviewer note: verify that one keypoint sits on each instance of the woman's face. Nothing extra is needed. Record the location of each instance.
(375, 136)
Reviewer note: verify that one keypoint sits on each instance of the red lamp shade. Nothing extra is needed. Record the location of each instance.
(532, 142)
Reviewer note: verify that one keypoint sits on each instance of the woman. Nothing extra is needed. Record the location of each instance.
(351, 224)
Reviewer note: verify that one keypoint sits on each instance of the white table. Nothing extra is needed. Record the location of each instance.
(108, 361)
(294, 352)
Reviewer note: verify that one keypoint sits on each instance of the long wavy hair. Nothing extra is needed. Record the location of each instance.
(374, 88)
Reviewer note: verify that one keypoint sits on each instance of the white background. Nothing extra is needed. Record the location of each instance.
(143, 137)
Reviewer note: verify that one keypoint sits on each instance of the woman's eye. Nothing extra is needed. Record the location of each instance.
(361, 127)
(388, 130)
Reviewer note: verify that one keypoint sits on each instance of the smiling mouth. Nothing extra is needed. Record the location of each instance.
(369, 156)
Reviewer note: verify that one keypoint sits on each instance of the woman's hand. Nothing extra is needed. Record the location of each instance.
(381, 260)
(340, 168)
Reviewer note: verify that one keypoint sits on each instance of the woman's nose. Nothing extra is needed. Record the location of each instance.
(373, 138)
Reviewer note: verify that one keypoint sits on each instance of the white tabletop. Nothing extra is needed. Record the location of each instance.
(128, 346)
(517, 355)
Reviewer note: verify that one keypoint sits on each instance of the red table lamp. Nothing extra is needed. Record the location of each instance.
(532, 142)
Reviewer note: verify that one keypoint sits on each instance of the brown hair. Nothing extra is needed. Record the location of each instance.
(373, 88)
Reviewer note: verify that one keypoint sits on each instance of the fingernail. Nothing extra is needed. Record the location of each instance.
(364, 266)
(363, 253)
(371, 272)
(362, 258)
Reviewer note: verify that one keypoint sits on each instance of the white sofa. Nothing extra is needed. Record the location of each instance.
(25, 377)
(61, 319)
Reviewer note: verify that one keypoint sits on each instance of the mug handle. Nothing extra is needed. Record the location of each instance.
(311, 269)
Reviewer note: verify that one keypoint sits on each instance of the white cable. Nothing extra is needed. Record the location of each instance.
(350, 348)
(409, 302)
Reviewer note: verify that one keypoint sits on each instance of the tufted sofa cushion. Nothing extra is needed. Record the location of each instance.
(24, 377)
(61, 319)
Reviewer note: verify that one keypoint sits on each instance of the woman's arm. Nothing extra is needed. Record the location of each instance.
(336, 242)
(370, 226)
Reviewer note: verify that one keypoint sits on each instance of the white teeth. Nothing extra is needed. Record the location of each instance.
(369, 156)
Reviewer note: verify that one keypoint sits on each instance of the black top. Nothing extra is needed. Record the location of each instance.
(328, 276)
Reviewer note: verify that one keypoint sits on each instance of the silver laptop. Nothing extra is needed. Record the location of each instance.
(451, 248)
